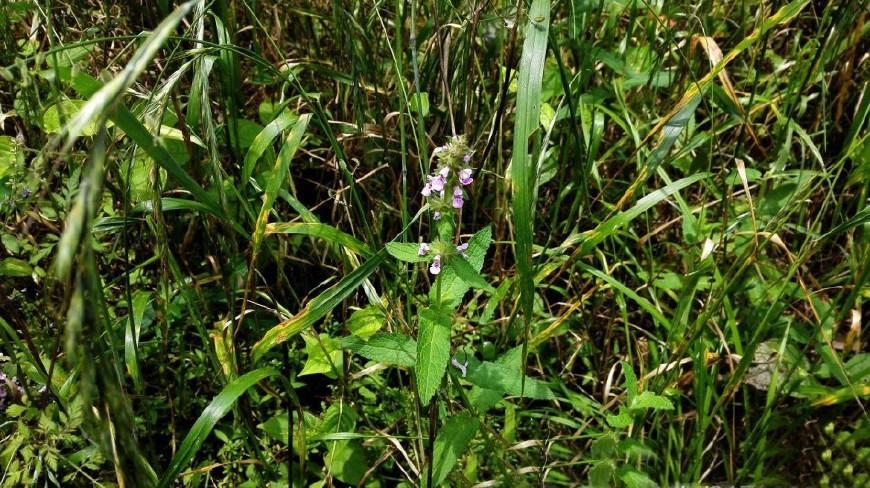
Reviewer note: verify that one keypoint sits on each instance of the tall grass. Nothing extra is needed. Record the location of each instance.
(212, 216)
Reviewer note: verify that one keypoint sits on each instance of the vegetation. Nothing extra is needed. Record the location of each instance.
(446, 243)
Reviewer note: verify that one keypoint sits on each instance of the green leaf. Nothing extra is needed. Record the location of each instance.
(649, 399)
(51, 123)
(522, 174)
(451, 443)
(316, 308)
(645, 304)
(548, 114)
(620, 421)
(128, 123)
(324, 355)
(433, 352)
(263, 141)
(277, 427)
(347, 461)
(366, 322)
(323, 231)
(506, 380)
(218, 407)
(397, 349)
(634, 478)
(601, 474)
(15, 267)
(636, 450)
(603, 447)
(277, 180)
(630, 382)
(453, 288)
(468, 274)
(407, 252)
(7, 154)
(860, 218)
(592, 238)
(143, 314)
(504, 375)
(67, 56)
(419, 103)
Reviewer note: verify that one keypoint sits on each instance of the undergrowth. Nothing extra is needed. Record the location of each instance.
(448, 243)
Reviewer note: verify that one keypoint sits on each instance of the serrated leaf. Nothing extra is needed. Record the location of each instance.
(467, 274)
(504, 375)
(649, 399)
(600, 474)
(603, 447)
(406, 251)
(620, 421)
(397, 349)
(634, 478)
(433, 352)
(506, 380)
(451, 443)
(452, 288)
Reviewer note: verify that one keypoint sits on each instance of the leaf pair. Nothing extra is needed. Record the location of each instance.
(635, 402)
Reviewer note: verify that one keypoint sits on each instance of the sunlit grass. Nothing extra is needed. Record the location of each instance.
(211, 269)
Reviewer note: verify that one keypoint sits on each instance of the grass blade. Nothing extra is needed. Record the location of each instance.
(219, 406)
(531, 72)
(111, 92)
(279, 175)
(317, 308)
(324, 231)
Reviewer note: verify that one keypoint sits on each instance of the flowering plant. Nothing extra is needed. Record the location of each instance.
(454, 263)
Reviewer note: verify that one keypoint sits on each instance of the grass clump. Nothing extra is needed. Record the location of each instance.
(433, 243)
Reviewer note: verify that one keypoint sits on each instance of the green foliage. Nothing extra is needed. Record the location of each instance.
(451, 443)
(433, 351)
(397, 349)
(197, 196)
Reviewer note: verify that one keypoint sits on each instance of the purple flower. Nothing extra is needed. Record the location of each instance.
(424, 249)
(437, 182)
(436, 265)
(457, 202)
(457, 192)
(427, 190)
(444, 172)
(465, 176)
(436, 215)
(461, 248)
(467, 158)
